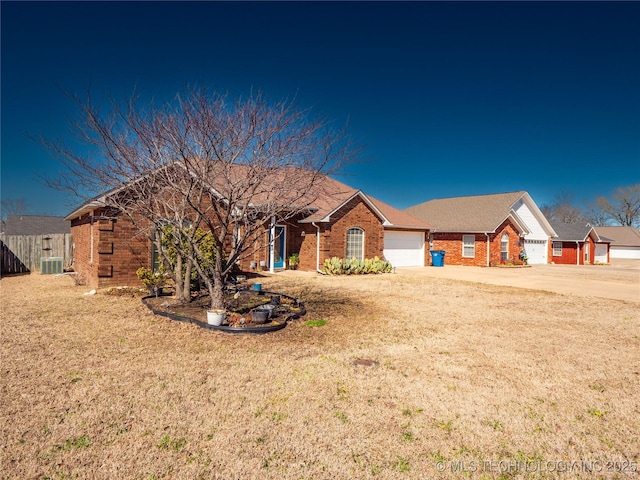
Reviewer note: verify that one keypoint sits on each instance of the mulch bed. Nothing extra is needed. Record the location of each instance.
(239, 304)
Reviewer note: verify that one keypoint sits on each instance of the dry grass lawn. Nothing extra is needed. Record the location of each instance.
(98, 387)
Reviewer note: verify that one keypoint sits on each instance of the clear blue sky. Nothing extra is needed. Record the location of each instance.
(449, 98)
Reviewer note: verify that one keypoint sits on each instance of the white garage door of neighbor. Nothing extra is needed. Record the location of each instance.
(624, 252)
(601, 253)
(536, 251)
(404, 249)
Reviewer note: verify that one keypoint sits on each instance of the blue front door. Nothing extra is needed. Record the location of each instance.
(279, 248)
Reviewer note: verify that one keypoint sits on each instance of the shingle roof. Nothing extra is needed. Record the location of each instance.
(571, 232)
(398, 218)
(335, 194)
(35, 225)
(478, 213)
(620, 236)
(327, 196)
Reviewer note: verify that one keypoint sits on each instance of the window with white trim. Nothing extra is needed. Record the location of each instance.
(355, 243)
(468, 246)
(557, 249)
(504, 247)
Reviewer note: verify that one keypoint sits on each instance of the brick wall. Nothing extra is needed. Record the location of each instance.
(592, 250)
(85, 264)
(308, 248)
(513, 253)
(122, 250)
(118, 250)
(452, 244)
(354, 214)
(569, 253)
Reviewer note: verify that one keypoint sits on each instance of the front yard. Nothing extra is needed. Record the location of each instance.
(410, 377)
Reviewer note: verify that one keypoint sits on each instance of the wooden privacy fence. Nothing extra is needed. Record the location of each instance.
(9, 263)
(29, 249)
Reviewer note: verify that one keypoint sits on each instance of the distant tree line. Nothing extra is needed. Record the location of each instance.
(622, 207)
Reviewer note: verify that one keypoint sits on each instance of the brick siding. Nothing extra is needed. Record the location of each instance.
(119, 248)
(452, 244)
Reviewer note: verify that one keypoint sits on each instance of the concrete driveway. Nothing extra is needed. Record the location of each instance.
(620, 280)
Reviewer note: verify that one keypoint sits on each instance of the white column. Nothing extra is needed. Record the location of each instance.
(272, 246)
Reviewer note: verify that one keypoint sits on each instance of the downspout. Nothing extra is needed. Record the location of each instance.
(317, 247)
(272, 246)
(488, 250)
(577, 253)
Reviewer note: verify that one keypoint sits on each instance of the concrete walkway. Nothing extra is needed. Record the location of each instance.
(619, 281)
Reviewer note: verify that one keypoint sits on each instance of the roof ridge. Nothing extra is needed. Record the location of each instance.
(521, 192)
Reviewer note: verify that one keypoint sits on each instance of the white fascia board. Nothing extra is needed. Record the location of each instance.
(593, 234)
(385, 221)
(86, 208)
(517, 220)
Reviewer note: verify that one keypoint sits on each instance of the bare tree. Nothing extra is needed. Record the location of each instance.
(202, 160)
(624, 206)
(13, 206)
(596, 213)
(562, 209)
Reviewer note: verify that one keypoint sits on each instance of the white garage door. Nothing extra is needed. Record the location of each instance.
(404, 249)
(601, 253)
(536, 251)
(624, 252)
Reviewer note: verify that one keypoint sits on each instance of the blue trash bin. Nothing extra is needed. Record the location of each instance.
(437, 257)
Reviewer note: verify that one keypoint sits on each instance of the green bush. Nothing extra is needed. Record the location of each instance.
(353, 266)
(203, 239)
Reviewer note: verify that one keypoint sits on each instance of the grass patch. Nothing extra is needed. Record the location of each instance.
(74, 443)
(316, 323)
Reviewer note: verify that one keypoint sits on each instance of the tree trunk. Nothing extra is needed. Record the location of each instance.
(186, 289)
(179, 279)
(216, 289)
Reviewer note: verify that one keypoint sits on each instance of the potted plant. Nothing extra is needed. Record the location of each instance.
(294, 260)
(150, 279)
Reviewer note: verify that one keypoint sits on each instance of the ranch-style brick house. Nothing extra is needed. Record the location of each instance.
(343, 222)
(484, 230)
(578, 244)
(625, 241)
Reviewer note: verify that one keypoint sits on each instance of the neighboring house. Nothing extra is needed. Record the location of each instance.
(343, 222)
(625, 241)
(578, 244)
(35, 225)
(485, 230)
(33, 238)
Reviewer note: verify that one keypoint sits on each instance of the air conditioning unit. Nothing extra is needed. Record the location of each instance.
(51, 265)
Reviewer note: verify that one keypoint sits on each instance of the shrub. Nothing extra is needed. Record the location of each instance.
(149, 278)
(353, 266)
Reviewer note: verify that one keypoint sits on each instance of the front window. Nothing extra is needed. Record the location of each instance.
(355, 243)
(557, 249)
(504, 247)
(469, 246)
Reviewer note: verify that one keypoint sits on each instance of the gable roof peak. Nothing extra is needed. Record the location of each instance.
(478, 213)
